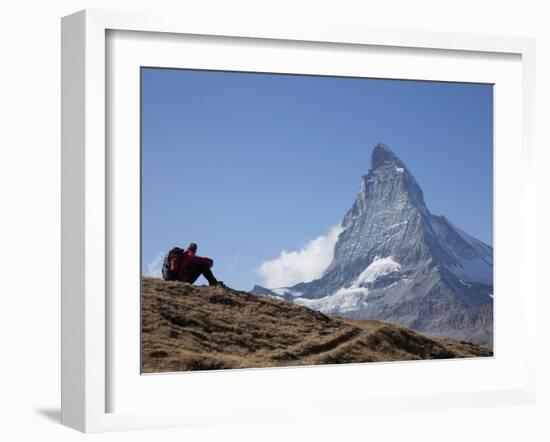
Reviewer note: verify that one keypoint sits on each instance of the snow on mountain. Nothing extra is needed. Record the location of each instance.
(472, 260)
(345, 300)
(284, 291)
(379, 267)
(354, 297)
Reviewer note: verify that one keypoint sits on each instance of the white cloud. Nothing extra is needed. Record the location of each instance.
(305, 265)
(154, 268)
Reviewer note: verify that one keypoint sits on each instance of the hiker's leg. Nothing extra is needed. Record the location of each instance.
(195, 270)
(192, 274)
(207, 273)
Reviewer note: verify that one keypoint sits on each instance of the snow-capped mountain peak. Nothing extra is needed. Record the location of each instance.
(434, 278)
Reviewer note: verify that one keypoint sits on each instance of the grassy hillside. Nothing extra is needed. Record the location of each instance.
(186, 327)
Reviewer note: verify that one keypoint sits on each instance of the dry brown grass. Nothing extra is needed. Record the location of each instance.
(186, 327)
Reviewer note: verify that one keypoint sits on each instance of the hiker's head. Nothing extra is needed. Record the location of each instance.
(192, 247)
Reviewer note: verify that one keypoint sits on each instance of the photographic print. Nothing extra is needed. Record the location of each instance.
(297, 220)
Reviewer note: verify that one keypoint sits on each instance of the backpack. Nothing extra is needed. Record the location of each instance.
(167, 274)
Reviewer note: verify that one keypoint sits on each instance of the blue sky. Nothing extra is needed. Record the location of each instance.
(248, 165)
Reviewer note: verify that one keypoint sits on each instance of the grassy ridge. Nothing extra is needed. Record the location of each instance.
(186, 327)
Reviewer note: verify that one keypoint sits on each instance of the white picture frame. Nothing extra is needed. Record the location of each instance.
(86, 206)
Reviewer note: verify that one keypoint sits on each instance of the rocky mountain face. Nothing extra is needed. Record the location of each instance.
(397, 262)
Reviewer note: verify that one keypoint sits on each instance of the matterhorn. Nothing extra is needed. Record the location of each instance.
(397, 262)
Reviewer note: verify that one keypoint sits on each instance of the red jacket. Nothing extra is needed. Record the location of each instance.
(182, 262)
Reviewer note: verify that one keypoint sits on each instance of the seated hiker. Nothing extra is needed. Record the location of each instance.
(189, 266)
